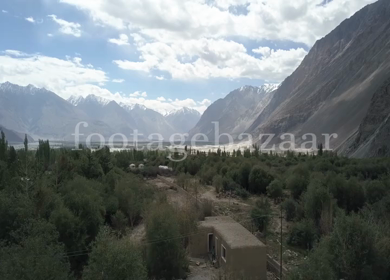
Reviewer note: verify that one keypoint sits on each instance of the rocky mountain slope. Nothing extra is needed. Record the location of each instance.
(373, 135)
(15, 137)
(331, 91)
(183, 119)
(235, 112)
(42, 113)
(148, 121)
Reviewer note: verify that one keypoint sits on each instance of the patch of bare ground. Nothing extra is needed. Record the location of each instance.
(226, 205)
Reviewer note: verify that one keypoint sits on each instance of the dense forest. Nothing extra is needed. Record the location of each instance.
(66, 214)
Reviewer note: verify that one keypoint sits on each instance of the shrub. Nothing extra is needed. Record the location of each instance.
(303, 234)
(229, 185)
(259, 180)
(297, 185)
(218, 183)
(275, 189)
(375, 191)
(115, 259)
(290, 208)
(244, 172)
(166, 260)
(243, 193)
(261, 214)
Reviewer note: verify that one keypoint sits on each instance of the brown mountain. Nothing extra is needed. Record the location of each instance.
(337, 85)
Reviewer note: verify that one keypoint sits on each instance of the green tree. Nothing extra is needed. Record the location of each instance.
(261, 214)
(244, 172)
(303, 234)
(218, 183)
(114, 259)
(132, 196)
(375, 191)
(166, 255)
(259, 180)
(275, 189)
(36, 255)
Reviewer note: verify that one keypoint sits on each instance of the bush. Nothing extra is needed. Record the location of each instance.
(259, 180)
(375, 191)
(243, 193)
(261, 214)
(297, 185)
(115, 259)
(303, 234)
(244, 172)
(166, 259)
(218, 183)
(275, 189)
(229, 185)
(290, 208)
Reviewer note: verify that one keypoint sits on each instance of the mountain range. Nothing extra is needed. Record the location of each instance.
(341, 87)
(234, 113)
(43, 114)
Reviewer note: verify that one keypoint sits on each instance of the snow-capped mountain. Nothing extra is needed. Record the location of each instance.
(183, 119)
(77, 100)
(42, 114)
(236, 112)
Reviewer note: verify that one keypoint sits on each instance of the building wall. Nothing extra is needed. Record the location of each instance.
(247, 262)
(198, 242)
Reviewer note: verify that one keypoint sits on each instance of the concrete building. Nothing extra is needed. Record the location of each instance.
(232, 247)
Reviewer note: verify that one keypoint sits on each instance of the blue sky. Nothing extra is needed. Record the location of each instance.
(168, 54)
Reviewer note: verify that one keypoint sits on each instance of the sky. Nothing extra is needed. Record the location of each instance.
(164, 54)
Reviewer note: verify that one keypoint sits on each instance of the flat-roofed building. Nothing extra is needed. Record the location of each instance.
(234, 249)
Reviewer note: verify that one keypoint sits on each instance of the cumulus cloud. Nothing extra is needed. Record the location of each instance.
(67, 77)
(67, 27)
(299, 21)
(14, 53)
(194, 41)
(30, 19)
(119, 81)
(123, 40)
(210, 58)
(52, 73)
(138, 94)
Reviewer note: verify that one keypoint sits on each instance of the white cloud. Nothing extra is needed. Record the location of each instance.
(138, 94)
(49, 35)
(14, 53)
(66, 27)
(71, 77)
(194, 41)
(118, 81)
(123, 40)
(160, 78)
(30, 19)
(52, 73)
(209, 58)
(205, 102)
(299, 21)
(4, 11)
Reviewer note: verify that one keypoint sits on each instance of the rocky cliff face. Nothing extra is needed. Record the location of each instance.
(331, 90)
(373, 136)
(235, 112)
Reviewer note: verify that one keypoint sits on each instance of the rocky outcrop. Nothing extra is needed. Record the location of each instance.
(330, 92)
